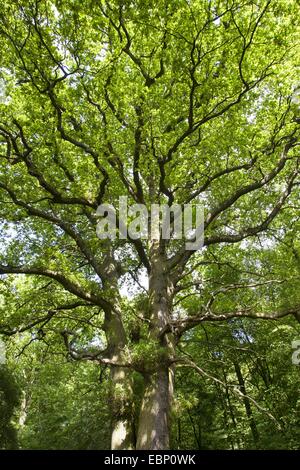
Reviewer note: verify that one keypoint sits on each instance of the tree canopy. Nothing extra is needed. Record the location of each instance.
(186, 102)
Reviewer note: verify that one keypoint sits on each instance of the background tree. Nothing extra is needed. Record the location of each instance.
(64, 404)
(9, 400)
(166, 102)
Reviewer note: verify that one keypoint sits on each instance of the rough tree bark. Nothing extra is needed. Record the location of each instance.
(247, 403)
(155, 413)
(121, 393)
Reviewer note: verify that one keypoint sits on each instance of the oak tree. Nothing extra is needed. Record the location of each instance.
(186, 102)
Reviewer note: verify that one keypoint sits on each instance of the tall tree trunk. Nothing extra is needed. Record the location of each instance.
(121, 382)
(122, 436)
(236, 440)
(247, 403)
(155, 413)
(154, 421)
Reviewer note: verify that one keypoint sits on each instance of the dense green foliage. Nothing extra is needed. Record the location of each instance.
(251, 358)
(9, 400)
(184, 101)
(66, 405)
